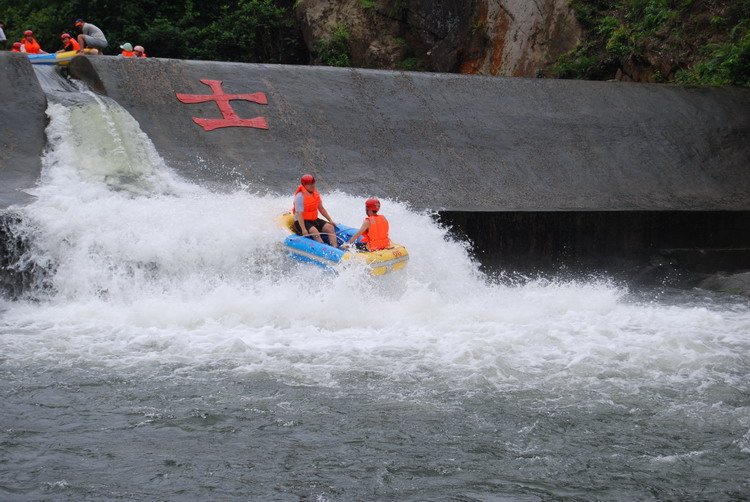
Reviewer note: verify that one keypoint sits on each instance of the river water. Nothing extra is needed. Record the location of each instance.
(172, 352)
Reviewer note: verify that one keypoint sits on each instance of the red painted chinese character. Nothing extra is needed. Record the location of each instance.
(222, 100)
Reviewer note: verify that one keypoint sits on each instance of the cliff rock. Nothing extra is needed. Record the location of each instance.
(489, 37)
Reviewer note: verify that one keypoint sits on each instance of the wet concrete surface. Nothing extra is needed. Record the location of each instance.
(446, 141)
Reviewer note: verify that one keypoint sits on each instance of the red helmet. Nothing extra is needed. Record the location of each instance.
(28, 33)
(16, 45)
(373, 204)
(64, 36)
(307, 179)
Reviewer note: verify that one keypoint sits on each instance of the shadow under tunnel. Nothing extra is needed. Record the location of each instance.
(637, 245)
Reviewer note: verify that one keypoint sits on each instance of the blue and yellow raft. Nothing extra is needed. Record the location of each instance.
(306, 249)
(60, 58)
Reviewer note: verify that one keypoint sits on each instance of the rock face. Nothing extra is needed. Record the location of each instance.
(488, 37)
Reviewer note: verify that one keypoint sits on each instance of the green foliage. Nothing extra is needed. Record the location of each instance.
(588, 11)
(607, 25)
(334, 50)
(725, 64)
(263, 31)
(718, 22)
(367, 4)
(579, 63)
(695, 41)
(618, 44)
(650, 16)
(410, 64)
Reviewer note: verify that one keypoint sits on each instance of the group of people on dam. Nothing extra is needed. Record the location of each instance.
(91, 39)
(308, 205)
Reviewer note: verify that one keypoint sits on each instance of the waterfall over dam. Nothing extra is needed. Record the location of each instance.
(588, 168)
(157, 343)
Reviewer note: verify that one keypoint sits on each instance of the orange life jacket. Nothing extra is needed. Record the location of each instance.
(72, 45)
(128, 54)
(143, 55)
(32, 47)
(376, 237)
(312, 202)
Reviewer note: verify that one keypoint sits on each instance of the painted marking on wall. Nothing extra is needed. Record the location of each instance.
(222, 100)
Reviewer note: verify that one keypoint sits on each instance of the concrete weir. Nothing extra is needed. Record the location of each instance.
(22, 123)
(574, 165)
(444, 141)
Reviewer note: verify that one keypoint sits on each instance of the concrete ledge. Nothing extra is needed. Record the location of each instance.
(445, 141)
(22, 138)
(695, 241)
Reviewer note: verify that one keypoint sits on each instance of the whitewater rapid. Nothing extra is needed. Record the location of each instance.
(160, 282)
(139, 258)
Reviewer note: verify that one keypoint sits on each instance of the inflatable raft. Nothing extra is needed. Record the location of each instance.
(60, 58)
(306, 249)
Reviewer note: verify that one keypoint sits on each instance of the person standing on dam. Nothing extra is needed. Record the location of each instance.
(90, 37)
(3, 38)
(307, 203)
(374, 229)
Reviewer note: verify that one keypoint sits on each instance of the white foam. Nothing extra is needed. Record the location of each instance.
(150, 270)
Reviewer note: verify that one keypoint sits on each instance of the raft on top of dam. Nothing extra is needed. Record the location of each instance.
(438, 141)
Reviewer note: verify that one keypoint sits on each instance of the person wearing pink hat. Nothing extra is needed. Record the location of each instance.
(140, 52)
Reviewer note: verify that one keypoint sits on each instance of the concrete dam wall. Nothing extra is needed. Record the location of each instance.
(444, 141)
(535, 170)
(22, 124)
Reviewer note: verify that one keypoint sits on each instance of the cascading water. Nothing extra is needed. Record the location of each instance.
(173, 353)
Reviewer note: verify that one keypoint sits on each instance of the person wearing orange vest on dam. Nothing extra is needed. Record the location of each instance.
(69, 44)
(140, 52)
(307, 203)
(127, 50)
(29, 45)
(374, 229)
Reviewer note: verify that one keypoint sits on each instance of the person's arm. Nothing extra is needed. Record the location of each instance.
(299, 202)
(365, 226)
(301, 222)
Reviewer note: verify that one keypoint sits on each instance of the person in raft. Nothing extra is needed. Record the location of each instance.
(306, 206)
(91, 37)
(374, 229)
(16, 47)
(139, 51)
(69, 43)
(29, 45)
(127, 50)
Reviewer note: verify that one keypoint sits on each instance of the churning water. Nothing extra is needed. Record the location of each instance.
(173, 353)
